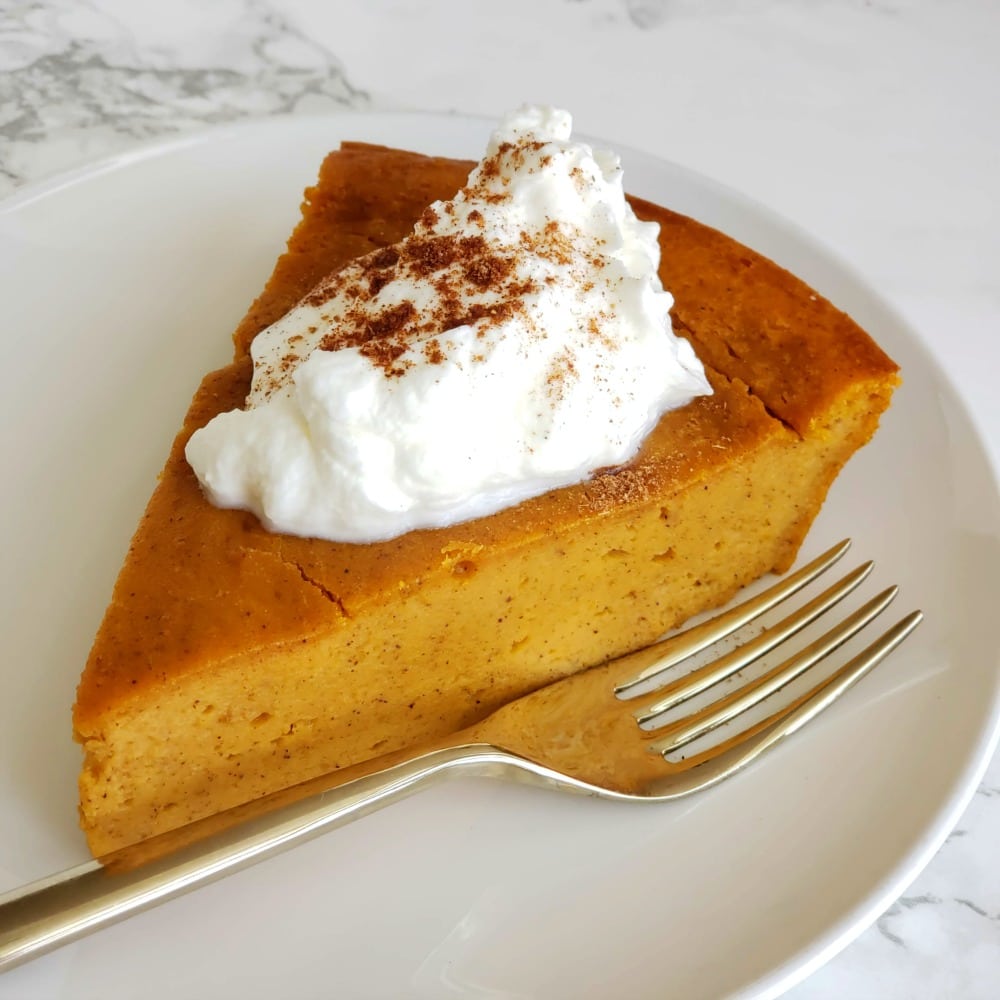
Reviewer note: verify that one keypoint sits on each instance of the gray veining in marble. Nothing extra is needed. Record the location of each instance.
(79, 80)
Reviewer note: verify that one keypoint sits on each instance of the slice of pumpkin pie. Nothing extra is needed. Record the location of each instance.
(236, 659)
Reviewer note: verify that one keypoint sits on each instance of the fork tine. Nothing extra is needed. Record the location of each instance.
(828, 691)
(661, 656)
(712, 766)
(718, 670)
(685, 730)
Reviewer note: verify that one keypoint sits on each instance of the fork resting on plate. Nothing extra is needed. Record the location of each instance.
(613, 731)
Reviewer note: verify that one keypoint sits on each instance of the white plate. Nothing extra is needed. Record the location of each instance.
(120, 286)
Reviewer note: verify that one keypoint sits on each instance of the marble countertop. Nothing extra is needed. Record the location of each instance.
(872, 123)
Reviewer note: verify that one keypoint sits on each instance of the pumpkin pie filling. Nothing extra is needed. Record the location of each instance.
(233, 661)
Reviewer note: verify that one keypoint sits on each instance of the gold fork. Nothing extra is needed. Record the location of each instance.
(610, 731)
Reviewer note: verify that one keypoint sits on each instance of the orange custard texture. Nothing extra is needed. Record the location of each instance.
(233, 662)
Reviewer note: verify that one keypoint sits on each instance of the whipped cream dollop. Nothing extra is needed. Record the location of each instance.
(518, 340)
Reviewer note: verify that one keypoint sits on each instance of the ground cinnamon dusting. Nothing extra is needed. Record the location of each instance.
(476, 282)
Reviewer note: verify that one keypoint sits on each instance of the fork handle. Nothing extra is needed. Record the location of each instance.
(53, 911)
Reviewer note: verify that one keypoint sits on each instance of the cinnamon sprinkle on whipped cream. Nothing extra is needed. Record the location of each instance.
(516, 341)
